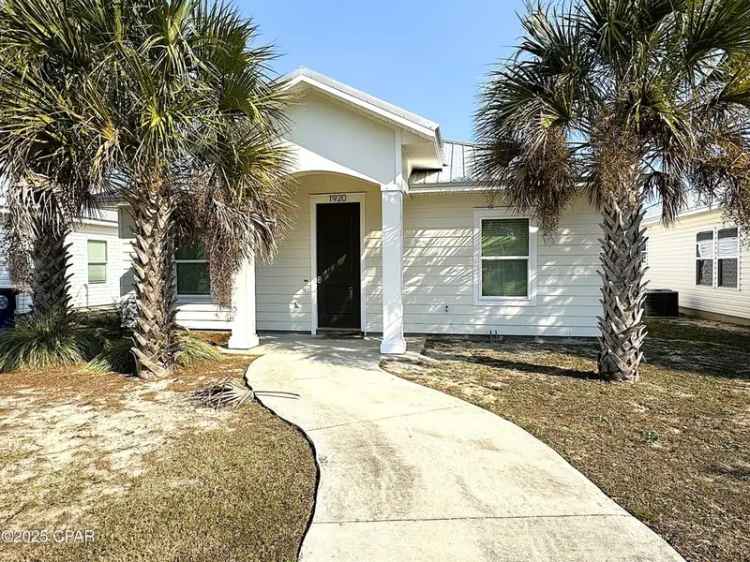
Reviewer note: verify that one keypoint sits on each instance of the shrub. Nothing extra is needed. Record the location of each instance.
(116, 355)
(96, 338)
(40, 342)
(194, 350)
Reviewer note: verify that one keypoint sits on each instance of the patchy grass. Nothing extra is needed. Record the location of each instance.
(154, 476)
(672, 449)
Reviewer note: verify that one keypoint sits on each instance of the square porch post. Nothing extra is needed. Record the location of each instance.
(392, 252)
(244, 335)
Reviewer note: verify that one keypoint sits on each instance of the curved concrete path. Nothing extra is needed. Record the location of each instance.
(411, 474)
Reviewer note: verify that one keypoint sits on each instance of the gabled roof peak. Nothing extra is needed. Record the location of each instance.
(382, 109)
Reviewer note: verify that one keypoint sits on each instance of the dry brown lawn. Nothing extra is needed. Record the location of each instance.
(673, 449)
(151, 475)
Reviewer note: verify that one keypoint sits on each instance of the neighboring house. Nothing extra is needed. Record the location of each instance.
(94, 266)
(393, 234)
(705, 259)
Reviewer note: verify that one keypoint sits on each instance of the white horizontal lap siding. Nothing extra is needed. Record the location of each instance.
(672, 263)
(283, 287)
(83, 293)
(439, 271)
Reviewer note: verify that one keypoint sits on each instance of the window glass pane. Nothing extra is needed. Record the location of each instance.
(505, 278)
(97, 251)
(728, 243)
(704, 247)
(728, 273)
(505, 237)
(190, 252)
(704, 273)
(97, 273)
(193, 279)
(127, 226)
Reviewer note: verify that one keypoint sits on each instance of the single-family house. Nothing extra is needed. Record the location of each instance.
(94, 267)
(393, 234)
(705, 259)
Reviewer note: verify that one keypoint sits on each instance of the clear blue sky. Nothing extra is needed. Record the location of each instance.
(429, 57)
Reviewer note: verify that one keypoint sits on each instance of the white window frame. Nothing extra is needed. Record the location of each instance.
(716, 258)
(713, 258)
(105, 263)
(176, 272)
(715, 228)
(504, 213)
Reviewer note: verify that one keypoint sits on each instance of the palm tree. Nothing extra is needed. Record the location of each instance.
(178, 116)
(197, 146)
(43, 146)
(626, 100)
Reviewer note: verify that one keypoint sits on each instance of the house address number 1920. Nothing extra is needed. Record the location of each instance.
(337, 198)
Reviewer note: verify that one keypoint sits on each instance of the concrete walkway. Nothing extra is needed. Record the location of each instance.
(411, 474)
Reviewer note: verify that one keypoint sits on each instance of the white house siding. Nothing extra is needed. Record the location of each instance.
(84, 294)
(672, 262)
(439, 271)
(283, 287)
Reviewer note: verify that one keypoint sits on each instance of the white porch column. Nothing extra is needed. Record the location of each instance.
(393, 246)
(244, 335)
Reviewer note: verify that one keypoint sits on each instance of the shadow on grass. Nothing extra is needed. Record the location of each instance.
(522, 366)
(682, 345)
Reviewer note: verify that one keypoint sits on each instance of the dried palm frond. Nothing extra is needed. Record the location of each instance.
(229, 393)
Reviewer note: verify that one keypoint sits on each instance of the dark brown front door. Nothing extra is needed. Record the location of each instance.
(338, 272)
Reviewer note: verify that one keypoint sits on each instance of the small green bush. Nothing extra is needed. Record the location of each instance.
(115, 357)
(193, 350)
(41, 342)
(95, 338)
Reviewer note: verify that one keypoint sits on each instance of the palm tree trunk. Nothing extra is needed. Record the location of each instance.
(622, 329)
(50, 280)
(155, 284)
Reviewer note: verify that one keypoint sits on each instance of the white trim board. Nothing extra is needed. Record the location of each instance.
(715, 228)
(333, 198)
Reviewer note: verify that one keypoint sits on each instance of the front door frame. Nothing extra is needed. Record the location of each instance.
(326, 199)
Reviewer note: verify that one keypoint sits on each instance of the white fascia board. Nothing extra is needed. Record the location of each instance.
(684, 214)
(449, 188)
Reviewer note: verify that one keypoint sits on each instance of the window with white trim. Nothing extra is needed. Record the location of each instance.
(96, 253)
(727, 257)
(504, 255)
(704, 258)
(192, 271)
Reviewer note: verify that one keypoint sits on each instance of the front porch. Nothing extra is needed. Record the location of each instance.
(339, 266)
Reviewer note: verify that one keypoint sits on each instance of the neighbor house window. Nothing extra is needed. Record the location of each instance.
(97, 261)
(727, 257)
(704, 258)
(504, 253)
(192, 271)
